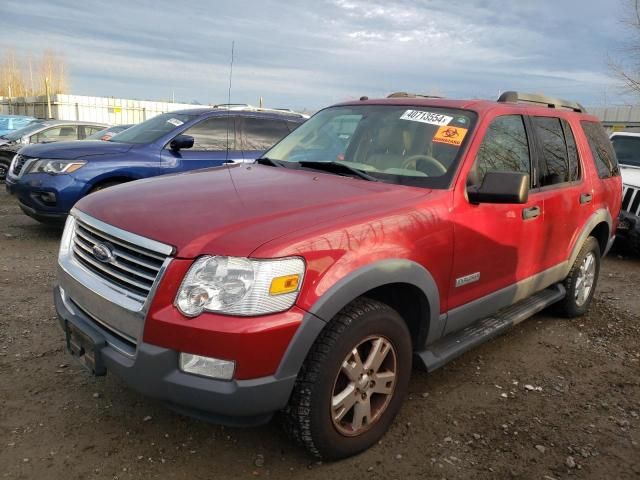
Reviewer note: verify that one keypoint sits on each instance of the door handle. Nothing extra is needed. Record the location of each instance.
(586, 198)
(531, 212)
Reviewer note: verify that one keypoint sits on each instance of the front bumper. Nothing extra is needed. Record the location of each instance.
(32, 190)
(153, 371)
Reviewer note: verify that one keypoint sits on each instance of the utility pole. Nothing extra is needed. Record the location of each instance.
(46, 87)
(10, 112)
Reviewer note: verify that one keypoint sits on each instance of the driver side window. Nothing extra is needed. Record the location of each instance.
(505, 148)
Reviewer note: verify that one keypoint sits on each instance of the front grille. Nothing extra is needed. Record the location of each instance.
(131, 267)
(19, 163)
(631, 200)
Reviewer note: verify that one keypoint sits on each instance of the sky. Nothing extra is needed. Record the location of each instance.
(309, 54)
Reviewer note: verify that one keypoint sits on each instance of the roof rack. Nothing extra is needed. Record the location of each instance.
(550, 102)
(410, 95)
(246, 107)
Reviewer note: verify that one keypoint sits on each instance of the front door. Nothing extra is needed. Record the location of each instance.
(214, 144)
(495, 245)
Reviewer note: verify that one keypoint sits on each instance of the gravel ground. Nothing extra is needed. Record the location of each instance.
(551, 399)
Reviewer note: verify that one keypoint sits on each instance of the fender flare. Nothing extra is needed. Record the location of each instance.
(350, 287)
(597, 217)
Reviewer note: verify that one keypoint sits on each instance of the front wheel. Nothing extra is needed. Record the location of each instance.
(353, 381)
(582, 280)
(4, 170)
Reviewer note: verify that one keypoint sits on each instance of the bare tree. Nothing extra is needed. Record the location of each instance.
(27, 77)
(627, 67)
(11, 78)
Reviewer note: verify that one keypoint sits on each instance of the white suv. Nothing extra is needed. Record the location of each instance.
(627, 147)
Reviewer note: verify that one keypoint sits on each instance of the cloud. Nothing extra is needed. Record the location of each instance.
(313, 53)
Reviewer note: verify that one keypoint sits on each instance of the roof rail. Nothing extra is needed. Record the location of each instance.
(410, 95)
(550, 102)
(250, 108)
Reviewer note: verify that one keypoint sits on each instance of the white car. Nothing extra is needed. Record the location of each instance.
(627, 147)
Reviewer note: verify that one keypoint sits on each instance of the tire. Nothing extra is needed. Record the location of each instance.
(312, 421)
(578, 299)
(4, 169)
(102, 186)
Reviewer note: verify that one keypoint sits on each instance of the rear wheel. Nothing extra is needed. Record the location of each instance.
(353, 381)
(582, 280)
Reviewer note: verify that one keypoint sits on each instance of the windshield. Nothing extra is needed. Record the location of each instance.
(152, 129)
(109, 130)
(23, 132)
(627, 149)
(406, 145)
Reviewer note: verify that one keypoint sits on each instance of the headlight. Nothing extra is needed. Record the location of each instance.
(240, 286)
(55, 167)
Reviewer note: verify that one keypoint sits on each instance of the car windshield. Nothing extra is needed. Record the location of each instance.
(627, 149)
(152, 129)
(23, 132)
(408, 145)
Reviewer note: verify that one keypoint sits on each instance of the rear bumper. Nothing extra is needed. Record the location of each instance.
(153, 371)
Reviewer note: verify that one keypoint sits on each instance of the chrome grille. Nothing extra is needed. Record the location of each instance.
(631, 200)
(19, 162)
(131, 267)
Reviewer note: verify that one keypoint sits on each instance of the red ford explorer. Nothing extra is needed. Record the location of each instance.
(378, 234)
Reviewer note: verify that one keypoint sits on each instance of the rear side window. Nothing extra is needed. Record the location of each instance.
(572, 151)
(261, 134)
(601, 149)
(214, 133)
(553, 163)
(505, 148)
(627, 149)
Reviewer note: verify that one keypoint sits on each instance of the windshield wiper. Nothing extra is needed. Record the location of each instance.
(331, 168)
(273, 162)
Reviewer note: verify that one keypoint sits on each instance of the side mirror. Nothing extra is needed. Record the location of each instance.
(180, 142)
(500, 187)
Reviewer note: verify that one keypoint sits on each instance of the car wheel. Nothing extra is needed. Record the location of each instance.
(103, 186)
(352, 383)
(4, 170)
(582, 279)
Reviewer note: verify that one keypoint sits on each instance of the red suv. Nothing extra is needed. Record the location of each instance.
(377, 234)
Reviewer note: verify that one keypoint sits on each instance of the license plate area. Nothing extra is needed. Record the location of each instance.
(87, 348)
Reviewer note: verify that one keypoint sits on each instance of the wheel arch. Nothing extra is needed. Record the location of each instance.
(599, 225)
(401, 283)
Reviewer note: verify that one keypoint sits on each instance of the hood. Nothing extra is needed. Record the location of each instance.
(630, 175)
(234, 210)
(75, 149)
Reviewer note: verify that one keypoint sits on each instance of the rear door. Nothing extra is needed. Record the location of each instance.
(563, 187)
(260, 133)
(214, 142)
(495, 245)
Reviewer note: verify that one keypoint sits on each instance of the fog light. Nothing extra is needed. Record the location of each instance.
(207, 366)
(48, 197)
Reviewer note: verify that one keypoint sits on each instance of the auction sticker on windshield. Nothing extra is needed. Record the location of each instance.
(426, 117)
(175, 121)
(450, 135)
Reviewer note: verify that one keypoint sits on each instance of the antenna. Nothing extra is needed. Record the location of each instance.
(229, 100)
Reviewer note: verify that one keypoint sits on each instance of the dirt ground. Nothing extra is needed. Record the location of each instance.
(551, 399)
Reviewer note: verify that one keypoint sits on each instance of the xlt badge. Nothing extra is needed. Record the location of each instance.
(473, 277)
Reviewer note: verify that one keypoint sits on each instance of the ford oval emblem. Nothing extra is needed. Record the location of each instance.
(102, 253)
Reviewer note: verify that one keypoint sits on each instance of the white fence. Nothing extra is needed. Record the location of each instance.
(113, 111)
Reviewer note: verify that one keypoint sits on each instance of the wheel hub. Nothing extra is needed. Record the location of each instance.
(585, 279)
(363, 389)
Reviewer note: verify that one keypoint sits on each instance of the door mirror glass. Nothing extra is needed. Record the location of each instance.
(180, 142)
(500, 187)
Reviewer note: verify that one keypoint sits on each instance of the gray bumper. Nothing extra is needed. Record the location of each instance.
(153, 371)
